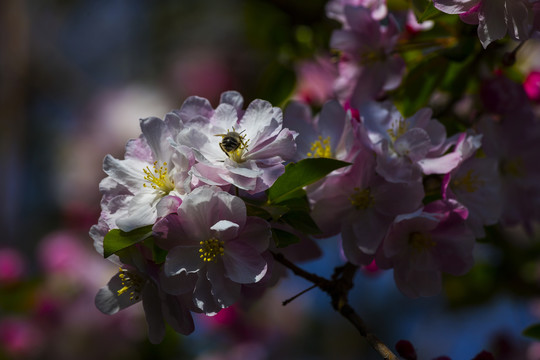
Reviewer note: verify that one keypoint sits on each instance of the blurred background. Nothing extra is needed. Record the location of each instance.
(75, 78)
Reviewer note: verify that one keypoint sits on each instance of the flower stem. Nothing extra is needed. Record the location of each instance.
(338, 288)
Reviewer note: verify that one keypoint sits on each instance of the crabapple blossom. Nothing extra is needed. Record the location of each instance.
(367, 65)
(475, 184)
(327, 135)
(494, 17)
(510, 140)
(335, 9)
(263, 144)
(361, 205)
(211, 236)
(406, 148)
(315, 81)
(421, 245)
(150, 172)
(139, 280)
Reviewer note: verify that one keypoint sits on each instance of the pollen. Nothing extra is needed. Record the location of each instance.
(158, 178)
(320, 148)
(397, 129)
(238, 154)
(470, 182)
(421, 241)
(362, 199)
(211, 249)
(131, 284)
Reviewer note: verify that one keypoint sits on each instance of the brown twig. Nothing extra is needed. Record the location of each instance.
(299, 294)
(338, 288)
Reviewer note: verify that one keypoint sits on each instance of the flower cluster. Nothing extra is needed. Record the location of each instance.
(194, 214)
(176, 181)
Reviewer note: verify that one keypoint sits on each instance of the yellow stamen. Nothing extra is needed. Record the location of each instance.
(159, 178)
(211, 249)
(397, 129)
(362, 199)
(469, 182)
(130, 282)
(320, 148)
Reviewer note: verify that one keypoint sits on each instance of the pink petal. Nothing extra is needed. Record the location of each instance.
(243, 264)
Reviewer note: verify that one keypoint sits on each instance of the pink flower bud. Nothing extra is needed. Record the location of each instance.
(532, 86)
(406, 350)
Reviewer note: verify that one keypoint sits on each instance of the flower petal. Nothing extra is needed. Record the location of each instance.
(178, 284)
(492, 22)
(153, 313)
(256, 233)
(243, 264)
(225, 229)
(183, 258)
(177, 315)
(454, 6)
(225, 291)
(109, 301)
(203, 297)
(233, 98)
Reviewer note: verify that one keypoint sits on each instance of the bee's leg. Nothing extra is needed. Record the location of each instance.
(223, 148)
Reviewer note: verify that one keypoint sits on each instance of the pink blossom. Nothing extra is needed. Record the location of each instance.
(315, 81)
(19, 337)
(62, 252)
(475, 183)
(151, 171)
(263, 145)
(406, 148)
(12, 266)
(511, 140)
(147, 183)
(139, 280)
(494, 17)
(335, 9)
(361, 205)
(212, 237)
(420, 246)
(368, 65)
(328, 134)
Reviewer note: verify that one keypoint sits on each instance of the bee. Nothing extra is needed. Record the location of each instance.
(231, 141)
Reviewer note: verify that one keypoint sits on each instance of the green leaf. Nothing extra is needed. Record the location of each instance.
(116, 239)
(420, 6)
(532, 331)
(300, 202)
(257, 210)
(301, 221)
(429, 13)
(284, 238)
(296, 176)
(158, 254)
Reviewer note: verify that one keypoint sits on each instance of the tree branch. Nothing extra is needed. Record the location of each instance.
(338, 288)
